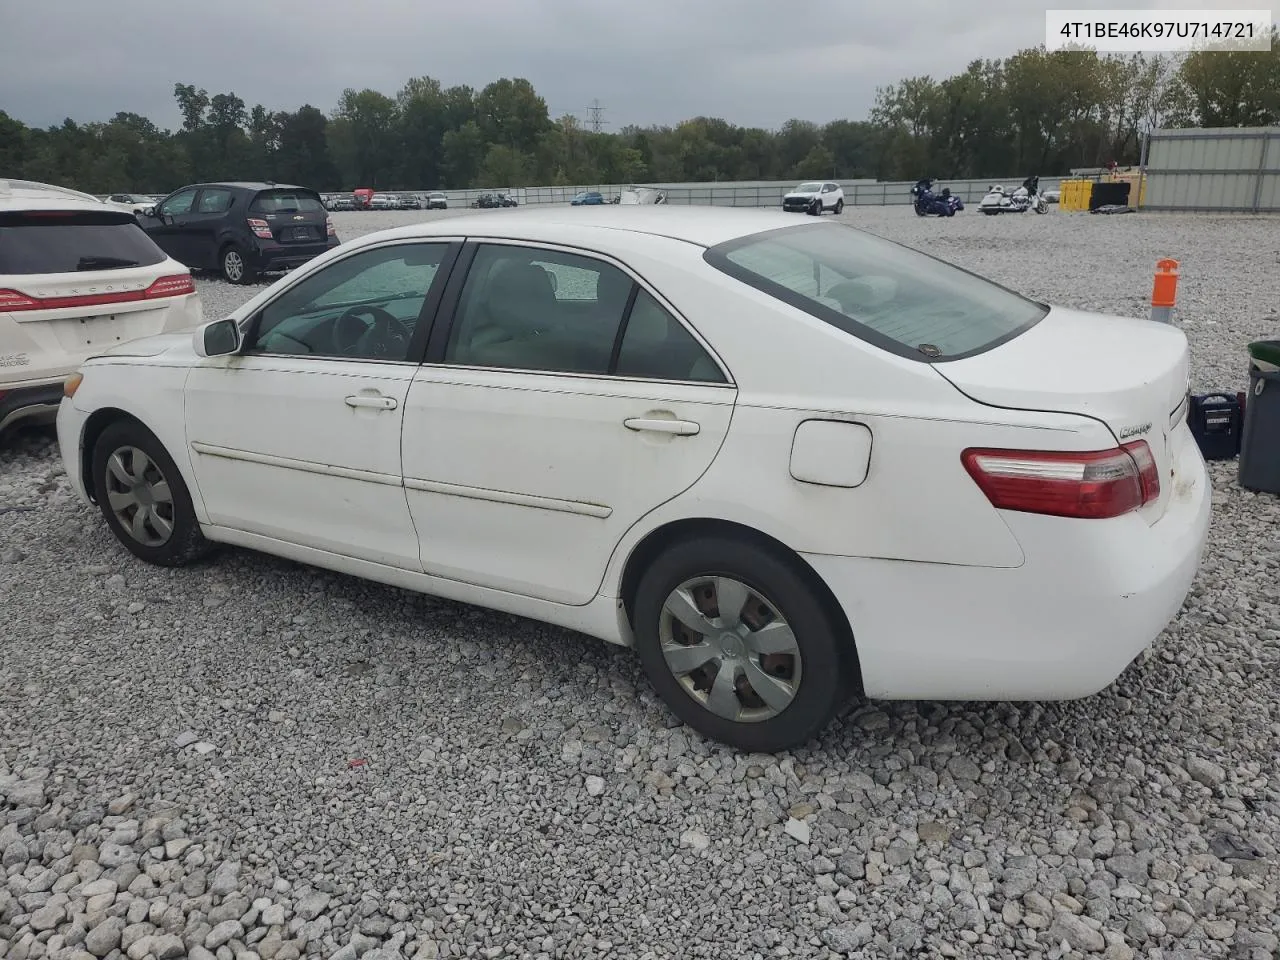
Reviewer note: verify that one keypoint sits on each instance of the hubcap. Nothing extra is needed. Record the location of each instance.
(730, 648)
(233, 265)
(139, 496)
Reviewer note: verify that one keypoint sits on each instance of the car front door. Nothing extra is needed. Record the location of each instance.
(297, 438)
(561, 401)
(205, 222)
(169, 227)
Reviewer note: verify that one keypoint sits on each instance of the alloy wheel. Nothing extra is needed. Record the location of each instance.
(233, 265)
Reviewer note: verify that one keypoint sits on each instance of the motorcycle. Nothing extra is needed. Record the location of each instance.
(1026, 197)
(927, 203)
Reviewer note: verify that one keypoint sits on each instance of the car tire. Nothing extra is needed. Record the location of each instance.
(133, 474)
(839, 207)
(815, 208)
(234, 266)
(806, 686)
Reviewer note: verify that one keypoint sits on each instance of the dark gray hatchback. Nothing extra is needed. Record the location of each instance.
(241, 229)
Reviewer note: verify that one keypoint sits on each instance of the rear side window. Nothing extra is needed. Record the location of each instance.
(214, 201)
(890, 295)
(65, 242)
(286, 201)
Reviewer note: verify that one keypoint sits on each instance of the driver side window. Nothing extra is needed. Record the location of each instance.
(362, 307)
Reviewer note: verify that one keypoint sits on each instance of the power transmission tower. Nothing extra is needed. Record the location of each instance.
(593, 112)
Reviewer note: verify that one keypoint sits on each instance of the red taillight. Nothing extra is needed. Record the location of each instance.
(179, 285)
(260, 228)
(15, 301)
(329, 228)
(12, 300)
(1089, 485)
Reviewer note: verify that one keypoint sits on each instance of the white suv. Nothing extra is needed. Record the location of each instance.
(815, 197)
(77, 277)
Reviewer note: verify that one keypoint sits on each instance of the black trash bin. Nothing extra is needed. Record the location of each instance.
(1260, 446)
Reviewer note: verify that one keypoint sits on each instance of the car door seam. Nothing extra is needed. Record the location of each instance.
(580, 507)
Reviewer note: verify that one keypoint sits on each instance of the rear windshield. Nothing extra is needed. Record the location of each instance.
(60, 242)
(286, 201)
(887, 294)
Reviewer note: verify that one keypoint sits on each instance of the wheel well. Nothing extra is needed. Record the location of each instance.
(664, 538)
(98, 421)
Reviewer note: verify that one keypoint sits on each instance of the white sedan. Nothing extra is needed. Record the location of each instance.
(790, 463)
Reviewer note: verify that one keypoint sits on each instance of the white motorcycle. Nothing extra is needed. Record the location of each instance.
(1026, 197)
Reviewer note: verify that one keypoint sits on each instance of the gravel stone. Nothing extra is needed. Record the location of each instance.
(523, 793)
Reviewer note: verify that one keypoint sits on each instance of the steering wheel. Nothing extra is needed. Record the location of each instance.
(386, 337)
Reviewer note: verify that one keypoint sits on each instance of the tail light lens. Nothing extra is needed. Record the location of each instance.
(1091, 485)
(261, 229)
(178, 285)
(329, 229)
(14, 300)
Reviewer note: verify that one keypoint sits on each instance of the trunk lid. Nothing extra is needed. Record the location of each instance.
(1131, 375)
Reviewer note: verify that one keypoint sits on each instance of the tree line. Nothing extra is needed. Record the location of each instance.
(1034, 112)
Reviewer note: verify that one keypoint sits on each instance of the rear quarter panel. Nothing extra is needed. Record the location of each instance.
(917, 502)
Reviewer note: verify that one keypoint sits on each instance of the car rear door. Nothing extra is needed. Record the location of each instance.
(207, 222)
(551, 416)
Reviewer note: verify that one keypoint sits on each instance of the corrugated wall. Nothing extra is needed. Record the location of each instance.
(1227, 170)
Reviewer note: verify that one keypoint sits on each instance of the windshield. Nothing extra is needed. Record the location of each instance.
(809, 188)
(287, 201)
(887, 294)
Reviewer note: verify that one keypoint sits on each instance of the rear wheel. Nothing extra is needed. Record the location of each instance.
(235, 265)
(143, 497)
(738, 646)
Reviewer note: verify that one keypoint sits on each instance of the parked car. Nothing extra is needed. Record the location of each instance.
(815, 197)
(342, 202)
(76, 276)
(408, 201)
(383, 201)
(506, 200)
(363, 198)
(927, 516)
(588, 198)
(240, 229)
(437, 201)
(133, 202)
(486, 201)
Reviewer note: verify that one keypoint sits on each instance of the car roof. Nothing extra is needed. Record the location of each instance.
(246, 185)
(33, 195)
(703, 226)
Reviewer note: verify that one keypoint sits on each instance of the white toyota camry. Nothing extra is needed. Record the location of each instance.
(789, 462)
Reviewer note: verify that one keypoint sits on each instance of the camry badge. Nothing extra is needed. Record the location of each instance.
(1134, 431)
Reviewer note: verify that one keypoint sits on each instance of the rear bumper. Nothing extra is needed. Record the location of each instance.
(275, 257)
(36, 403)
(1090, 597)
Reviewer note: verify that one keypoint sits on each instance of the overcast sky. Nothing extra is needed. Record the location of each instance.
(752, 62)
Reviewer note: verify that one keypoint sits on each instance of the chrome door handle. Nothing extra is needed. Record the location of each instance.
(681, 428)
(377, 402)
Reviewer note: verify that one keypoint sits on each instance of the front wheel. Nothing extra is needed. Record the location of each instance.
(143, 497)
(235, 266)
(839, 207)
(1042, 206)
(815, 208)
(738, 645)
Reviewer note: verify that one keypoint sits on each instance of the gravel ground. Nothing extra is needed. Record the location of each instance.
(253, 759)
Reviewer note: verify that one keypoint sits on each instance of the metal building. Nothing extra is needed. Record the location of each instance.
(1214, 170)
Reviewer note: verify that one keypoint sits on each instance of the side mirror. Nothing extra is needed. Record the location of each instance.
(221, 338)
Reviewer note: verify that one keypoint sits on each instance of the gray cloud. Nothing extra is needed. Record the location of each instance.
(755, 62)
